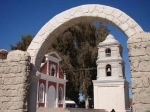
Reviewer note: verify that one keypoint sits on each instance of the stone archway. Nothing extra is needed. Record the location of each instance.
(103, 13)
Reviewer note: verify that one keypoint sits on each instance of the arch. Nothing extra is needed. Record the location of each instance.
(60, 95)
(108, 70)
(108, 52)
(41, 93)
(68, 18)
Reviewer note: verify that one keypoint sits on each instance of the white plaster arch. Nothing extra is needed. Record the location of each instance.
(68, 18)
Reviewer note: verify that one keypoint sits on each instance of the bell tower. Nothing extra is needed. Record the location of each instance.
(111, 88)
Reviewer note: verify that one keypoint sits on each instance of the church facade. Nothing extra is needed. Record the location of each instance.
(52, 84)
(111, 90)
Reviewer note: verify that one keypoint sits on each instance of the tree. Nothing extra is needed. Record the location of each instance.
(23, 43)
(77, 46)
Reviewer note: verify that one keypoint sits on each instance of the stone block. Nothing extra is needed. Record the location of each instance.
(137, 83)
(146, 81)
(144, 66)
(9, 81)
(123, 18)
(124, 26)
(95, 13)
(145, 97)
(91, 8)
(136, 98)
(130, 32)
(108, 10)
(137, 74)
(148, 50)
(137, 90)
(5, 99)
(20, 80)
(10, 75)
(100, 8)
(137, 52)
(131, 23)
(2, 93)
(109, 17)
(117, 13)
(11, 93)
(11, 87)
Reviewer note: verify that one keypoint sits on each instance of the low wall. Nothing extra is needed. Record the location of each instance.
(139, 54)
(14, 82)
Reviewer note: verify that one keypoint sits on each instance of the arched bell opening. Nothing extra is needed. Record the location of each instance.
(108, 52)
(108, 70)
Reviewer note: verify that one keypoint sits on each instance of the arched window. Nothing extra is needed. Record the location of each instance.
(108, 70)
(60, 97)
(108, 52)
(52, 70)
(41, 93)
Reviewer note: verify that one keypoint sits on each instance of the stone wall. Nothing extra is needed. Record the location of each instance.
(14, 82)
(139, 53)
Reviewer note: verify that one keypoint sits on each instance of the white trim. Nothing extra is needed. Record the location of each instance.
(46, 93)
(49, 55)
(56, 95)
(64, 105)
(47, 67)
(52, 78)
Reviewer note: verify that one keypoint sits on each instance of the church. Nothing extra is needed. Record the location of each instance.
(111, 89)
(52, 84)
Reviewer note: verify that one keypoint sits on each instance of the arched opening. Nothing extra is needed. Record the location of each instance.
(52, 71)
(41, 93)
(68, 18)
(108, 52)
(108, 70)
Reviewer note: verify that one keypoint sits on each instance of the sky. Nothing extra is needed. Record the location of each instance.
(20, 17)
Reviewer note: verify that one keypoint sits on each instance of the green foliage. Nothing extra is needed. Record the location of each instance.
(23, 43)
(77, 46)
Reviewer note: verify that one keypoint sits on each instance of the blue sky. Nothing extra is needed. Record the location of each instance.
(19, 17)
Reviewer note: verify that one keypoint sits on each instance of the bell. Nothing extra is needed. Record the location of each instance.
(108, 70)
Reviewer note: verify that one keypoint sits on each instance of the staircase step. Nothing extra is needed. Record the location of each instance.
(85, 110)
(43, 109)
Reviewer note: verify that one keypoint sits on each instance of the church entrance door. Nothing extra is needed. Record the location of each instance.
(51, 97)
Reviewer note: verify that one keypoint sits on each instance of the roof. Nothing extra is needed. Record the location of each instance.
(3, 51)
(54, 54)
(109, 40)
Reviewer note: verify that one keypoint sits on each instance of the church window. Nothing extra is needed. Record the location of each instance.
(53, 70)
(108, 70)
(60, 97)
(41, 93)
(108, 52)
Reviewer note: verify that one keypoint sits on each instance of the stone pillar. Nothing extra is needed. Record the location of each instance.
(34, 78)
(14, 82)
(139, 54)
